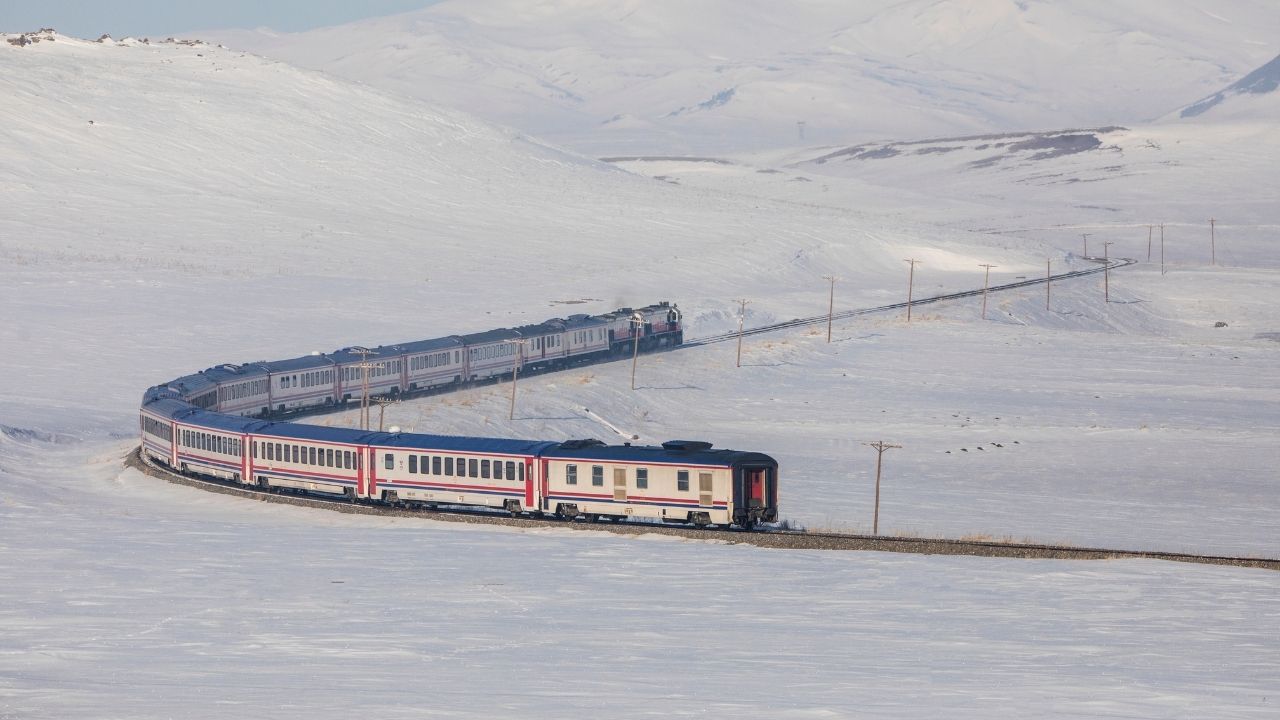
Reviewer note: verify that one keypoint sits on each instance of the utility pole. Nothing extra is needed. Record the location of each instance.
(1213, 243)
(911, 278)
(364, 366)
(1106, 271)
(1086, 243)
(1162, 248)
(382, 403)
(515, 372)
(831, 303)
(742, 313)
(880, 447)
(1048, 279)
(637, 324)
(985, 279)
(1149, 229)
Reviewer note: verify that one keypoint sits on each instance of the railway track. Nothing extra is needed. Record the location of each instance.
(1111, 264)
(774, 539)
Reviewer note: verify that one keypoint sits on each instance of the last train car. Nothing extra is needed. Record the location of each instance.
(681, 481)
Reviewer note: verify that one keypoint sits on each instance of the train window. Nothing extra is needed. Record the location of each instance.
(328, 457)
(497, 469)
(435, 465)
(642, 478)
(346, 459)
(413, 464)
(296, 454)
(682, 480)
(597, 476)
(271, 454)
(254, 447)
(521, 472)
(311, 454)
(462, 467)
(484, 469)
(473, 468)
(448, 466)
(389, 461)
(571, 474)
(511, 470)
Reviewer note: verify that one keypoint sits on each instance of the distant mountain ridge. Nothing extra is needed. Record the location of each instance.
(1259, 82)
(668, 76)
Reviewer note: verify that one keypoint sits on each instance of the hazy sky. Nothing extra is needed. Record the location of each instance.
(159, 18)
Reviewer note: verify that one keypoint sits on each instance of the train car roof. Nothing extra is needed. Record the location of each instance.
(489, 336)
(306, 362)
(232, 373)
(444, 343)
(461, 443)
(321, 433)
(191, 384)
(697, 455)
(549, 327)
(577, 321)
(382, 353)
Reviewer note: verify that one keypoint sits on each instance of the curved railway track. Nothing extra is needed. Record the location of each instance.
(775, 539)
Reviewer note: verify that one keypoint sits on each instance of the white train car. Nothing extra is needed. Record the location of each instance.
(301, 383)
(242, 389)
(384, 372)
(490, 354)
(586, 338)
(444, 470)
(433, 363)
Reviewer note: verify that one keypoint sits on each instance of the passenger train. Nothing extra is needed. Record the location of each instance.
(225, 423)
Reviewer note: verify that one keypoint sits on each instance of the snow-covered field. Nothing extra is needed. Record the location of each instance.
(221, 207)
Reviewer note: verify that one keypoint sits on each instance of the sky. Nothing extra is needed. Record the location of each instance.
(148, 18)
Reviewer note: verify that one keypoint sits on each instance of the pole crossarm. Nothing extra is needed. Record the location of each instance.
(880, 446)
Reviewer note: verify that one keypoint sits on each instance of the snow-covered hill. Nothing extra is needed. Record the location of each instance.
(172, 206)
(1252, 97)
(653, 76)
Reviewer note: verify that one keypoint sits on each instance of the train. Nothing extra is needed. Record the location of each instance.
(229, 423)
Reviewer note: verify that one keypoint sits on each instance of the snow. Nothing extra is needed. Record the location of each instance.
(222, 207)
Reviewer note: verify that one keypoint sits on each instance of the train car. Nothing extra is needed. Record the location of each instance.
(489, 355)
(242, 389)
(586, 338)
(312, 458)
(160, 406)
(444, 470)
(212, 444)
(384, 373)
(682, 481)
(544, 345)
(301, 383)
(197, 389)
(433, 363)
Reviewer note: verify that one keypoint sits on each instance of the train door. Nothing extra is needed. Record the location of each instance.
(543, 483)
(526, 474)
(757, 490)
(619, 484)
(704, 489)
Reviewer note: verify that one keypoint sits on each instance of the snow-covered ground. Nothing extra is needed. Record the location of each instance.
(221, 207)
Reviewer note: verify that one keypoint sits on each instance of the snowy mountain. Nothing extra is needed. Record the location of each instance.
(1252, 97)
(664, 76)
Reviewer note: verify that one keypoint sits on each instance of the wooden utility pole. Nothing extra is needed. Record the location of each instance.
(382, 403)
(742, 313)
(1149, 229)
(831, 303)
(911, 278)
(364, 366)
(1086, 243)
(637, 325)
(1048, 279)
(1106, 271)
(515, 372)
(1213, 243)
(880, 447)
(1162, 248)
(985, 279)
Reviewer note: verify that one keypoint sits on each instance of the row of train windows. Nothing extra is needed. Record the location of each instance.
(464, 467)
(550, 342)
(305, 455)
(585, 336)
(493, 351)
(308, 379)
(426, 362)
(157, 428)
(245, 389)
(642, 477)
(210, 442)
(355, 372)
